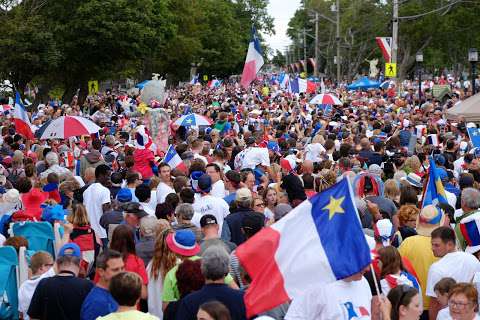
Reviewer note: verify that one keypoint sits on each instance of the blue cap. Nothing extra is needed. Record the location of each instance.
(205, 183)
(70, 249)
(440, 159)
(273, 145)
(124, 195)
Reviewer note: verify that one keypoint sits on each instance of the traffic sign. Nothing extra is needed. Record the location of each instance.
(205, 77)
(92, 87)
(391, 70)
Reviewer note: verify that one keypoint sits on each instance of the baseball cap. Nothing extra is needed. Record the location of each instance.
(124, 195)
(135, 208)
(70, 249)
(148, 225)
(243, 194)
(208, 219)
(205, 183)
(253, 221)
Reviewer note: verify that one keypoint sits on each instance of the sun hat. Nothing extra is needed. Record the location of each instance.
(183, 243)
(430, 218)
(70, 249)
(469, 227)
(33, 199)
(414, 180)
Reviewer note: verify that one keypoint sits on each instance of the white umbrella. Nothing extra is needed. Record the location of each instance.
(326, 98)
(67, 126)
(193, 119)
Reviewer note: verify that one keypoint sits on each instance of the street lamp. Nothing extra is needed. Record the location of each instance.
(473, 58)
(419, 60)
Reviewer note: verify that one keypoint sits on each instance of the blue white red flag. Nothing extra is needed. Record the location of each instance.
(173, 159)
(318, 242)
(20, 116)
(253, 62)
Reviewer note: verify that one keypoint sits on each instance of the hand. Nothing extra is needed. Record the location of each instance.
(67, 227)
(385, 307)
(374, 211)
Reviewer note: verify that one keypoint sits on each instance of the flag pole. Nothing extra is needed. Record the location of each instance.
(374, 276)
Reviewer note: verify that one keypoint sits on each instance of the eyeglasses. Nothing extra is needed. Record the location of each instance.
(260, 205)
(457, 304)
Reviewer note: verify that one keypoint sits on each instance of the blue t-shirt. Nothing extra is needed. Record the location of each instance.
(98, 303)
(230, 198)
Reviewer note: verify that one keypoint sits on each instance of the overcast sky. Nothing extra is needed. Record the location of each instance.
(281, 11)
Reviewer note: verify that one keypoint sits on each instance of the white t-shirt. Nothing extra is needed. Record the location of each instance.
(26, 290)
(218, 189)
(251, 157)
(152, 203)
(210, 205)
(458, 265)
(313, 151)
(163, 190)
(146, 207)
(155, 290)
(93, 199)
(199, 156)
(339, 300)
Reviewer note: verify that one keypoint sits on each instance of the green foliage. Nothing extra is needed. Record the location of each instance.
(65, 43)
(444, 35)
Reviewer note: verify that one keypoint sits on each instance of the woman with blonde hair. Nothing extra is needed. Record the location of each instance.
(413, 164)
(162, 261)
(392, 191)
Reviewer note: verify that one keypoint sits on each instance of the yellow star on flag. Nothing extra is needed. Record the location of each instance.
(335, 206)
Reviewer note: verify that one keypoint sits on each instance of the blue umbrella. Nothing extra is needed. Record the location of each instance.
(385, 84)
(364, 83)
(142, 84)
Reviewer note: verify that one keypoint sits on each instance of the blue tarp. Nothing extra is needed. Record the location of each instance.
(142, 84)
(364, 83)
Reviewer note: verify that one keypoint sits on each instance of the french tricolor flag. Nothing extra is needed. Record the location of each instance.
(253, 62)
(20, 116)
(318, 242)
(173, 159)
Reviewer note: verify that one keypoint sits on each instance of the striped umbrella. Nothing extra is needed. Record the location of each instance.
(193, 119)
(325, 98)
(66, 127)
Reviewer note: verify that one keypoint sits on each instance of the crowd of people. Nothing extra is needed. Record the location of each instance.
(143, 239)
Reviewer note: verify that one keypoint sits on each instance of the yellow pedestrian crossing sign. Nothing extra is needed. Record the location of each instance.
(391, 70)
(92, 87)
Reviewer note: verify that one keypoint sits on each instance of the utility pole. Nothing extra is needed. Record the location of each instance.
(395, 32)
(315, 70)
(338, 42)
(305, 51)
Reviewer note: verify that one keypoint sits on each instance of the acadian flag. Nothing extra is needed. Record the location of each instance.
(214, 83)
(474, 134)
(434, 193)
(20, 116)
(253, 62)
(298, 85)
(173, 159)
(284, 80)
(318, 242)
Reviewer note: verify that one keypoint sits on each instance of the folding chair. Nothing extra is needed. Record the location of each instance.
(40, 235)
(8, 283)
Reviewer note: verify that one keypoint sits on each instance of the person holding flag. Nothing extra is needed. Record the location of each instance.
(325, 235)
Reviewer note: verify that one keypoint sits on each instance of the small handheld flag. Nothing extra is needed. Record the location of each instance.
(20, 116)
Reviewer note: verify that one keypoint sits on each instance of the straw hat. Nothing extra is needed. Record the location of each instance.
(430, 218)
